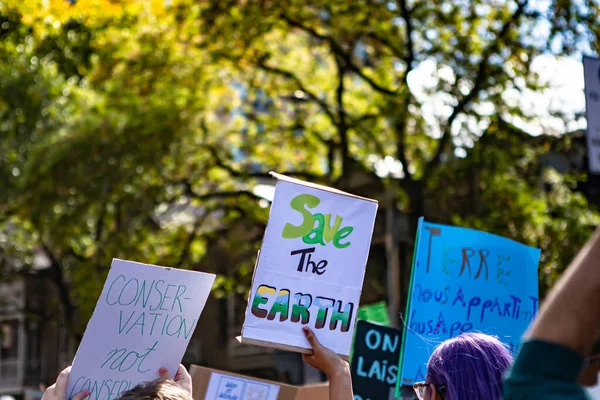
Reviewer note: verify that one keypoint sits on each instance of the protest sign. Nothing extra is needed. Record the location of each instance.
(221, 386)
(374, 361)
(465, 280)
(211, 384)
(143, 321)
(310, 268)
(591, 72)
(376, 312)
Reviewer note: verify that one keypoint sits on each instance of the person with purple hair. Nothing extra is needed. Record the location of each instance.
(467, 367)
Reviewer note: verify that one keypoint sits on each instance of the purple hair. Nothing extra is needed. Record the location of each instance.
(471, 366)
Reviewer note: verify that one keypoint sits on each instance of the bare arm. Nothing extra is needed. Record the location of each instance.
(570, 315)
(336, 369)
(340, 384)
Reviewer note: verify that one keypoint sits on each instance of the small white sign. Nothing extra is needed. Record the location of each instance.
(143, 321)
(311, 267)
(224, 387)
(591, 71)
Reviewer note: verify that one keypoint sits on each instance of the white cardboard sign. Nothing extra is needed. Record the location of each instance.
(591, 68)
(226, 387)
(143, 321)
(310, 268)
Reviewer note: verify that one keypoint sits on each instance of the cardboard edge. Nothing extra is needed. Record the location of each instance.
(199, 390)
(202, 375)
(319, 391)
(279, 346)
(285, 178)
(288, 392)
(362, 282)
(405, 329)
(486, 233)
(251, 286)
(161, 266)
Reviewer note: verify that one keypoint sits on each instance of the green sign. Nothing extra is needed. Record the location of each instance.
(376, 313)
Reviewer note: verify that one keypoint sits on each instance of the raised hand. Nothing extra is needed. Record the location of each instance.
(322, 358)
(336, 369)
(182, 378)
(58, 391)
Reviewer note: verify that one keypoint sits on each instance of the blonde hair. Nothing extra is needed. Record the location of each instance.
(156, 390)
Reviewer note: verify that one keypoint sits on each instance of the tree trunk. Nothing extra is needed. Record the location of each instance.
(393, 284)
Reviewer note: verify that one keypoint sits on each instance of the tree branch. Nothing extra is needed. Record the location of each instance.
(185, 253)
(339, 51)
(289, 75)
(482, 74)
(7, 211)
(409, 58)
(365, 132)
(58, 279)
(342, 127)
(100, 221)
(71, 252)
(331, 156)
(152, 222)
(242, 174)
(400, 128)
(222, 195)
(364, 118)
(395, 51)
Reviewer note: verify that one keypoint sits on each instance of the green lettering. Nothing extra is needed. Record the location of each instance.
(341, 234)
(298, 203)
(330, 231)
(281, 306)
(316, 235)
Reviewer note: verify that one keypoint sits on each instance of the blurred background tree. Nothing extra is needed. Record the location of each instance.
(142, 130)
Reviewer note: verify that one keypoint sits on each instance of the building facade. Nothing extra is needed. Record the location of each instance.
(34, 345)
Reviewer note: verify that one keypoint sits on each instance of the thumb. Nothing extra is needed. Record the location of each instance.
(164, 374)
(312, 339)
(182, 374)
(81, 395)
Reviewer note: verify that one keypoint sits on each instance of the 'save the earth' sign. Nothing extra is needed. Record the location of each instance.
(310, 268)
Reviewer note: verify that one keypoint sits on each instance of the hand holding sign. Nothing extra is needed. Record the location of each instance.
(322, 358)
(58, 391)
(336, 369)
(182, 378)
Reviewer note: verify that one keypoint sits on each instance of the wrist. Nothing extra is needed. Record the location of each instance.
(339, 369)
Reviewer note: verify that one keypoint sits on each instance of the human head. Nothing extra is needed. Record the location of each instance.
(469, 366)
(159, 389)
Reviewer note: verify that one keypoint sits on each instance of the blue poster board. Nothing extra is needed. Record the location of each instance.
(465, 280)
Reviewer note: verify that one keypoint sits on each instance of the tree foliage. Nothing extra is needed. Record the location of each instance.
(140, 129)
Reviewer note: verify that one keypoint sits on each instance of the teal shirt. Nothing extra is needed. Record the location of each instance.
(545, 371)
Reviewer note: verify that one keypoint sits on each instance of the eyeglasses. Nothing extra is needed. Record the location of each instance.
(422, 390)
(591, 359)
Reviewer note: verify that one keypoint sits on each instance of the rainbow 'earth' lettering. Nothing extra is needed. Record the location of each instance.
(323, 232)
(341, 314)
